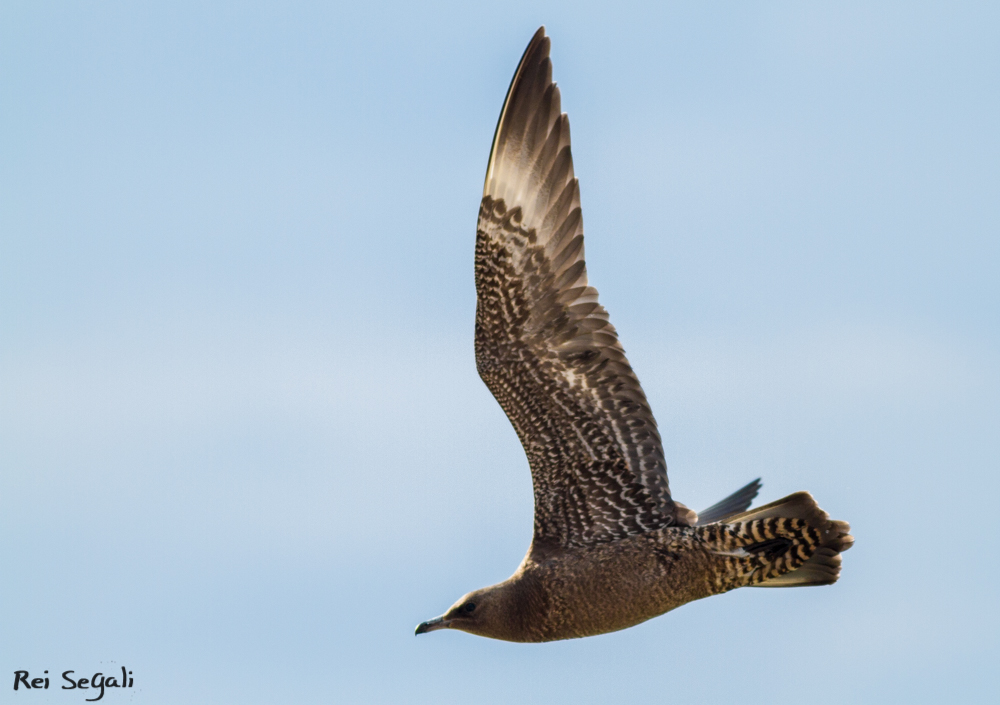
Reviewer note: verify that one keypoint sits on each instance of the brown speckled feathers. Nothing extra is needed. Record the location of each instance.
(545, 346)
(611, 548)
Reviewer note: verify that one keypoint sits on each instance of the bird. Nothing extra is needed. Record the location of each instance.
(611, 547)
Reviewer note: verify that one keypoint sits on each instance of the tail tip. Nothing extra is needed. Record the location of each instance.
(823, 567)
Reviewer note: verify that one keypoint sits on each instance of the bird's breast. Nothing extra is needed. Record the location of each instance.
(616, 585)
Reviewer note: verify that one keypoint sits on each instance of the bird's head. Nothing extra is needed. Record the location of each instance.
(470, 614)
(493, 612)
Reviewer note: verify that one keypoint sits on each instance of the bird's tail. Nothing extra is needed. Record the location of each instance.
(788, 543)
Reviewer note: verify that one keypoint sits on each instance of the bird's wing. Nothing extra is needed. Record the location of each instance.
(735, 503)
(545, 346)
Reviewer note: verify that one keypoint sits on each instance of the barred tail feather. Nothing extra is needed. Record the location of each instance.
(788, 543)
(822, 568)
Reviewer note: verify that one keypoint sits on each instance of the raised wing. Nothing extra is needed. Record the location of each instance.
(545, 346)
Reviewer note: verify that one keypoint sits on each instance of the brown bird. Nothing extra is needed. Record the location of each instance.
(611, 547)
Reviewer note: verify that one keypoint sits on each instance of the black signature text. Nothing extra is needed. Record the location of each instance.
(97, 681)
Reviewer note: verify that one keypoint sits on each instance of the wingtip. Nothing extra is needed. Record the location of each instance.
(735, 503)
(535, 53)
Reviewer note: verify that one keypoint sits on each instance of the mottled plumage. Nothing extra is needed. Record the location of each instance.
(611, 547)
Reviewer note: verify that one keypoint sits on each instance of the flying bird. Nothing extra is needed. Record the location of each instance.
(611, 547)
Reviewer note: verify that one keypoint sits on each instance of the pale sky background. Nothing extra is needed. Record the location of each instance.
(244, 447)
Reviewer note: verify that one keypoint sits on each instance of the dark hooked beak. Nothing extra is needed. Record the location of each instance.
(432, 624)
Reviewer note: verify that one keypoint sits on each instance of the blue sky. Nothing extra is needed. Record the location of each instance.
(244, 447)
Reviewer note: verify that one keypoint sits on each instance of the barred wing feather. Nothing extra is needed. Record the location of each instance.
(545, 346)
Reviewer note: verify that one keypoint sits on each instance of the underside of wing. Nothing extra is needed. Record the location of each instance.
(545, 346)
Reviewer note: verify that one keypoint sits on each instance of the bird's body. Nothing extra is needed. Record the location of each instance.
(611, 547)
(580, 592)
(583, 592)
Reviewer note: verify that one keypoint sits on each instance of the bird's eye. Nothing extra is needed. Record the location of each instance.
(468, 606)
